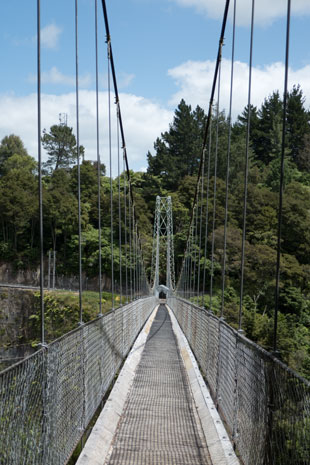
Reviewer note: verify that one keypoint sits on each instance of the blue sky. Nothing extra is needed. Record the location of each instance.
(164, 50)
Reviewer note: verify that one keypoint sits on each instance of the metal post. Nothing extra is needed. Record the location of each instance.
(54, 268)
(49, 270)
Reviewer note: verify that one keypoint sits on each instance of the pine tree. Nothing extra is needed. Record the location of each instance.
(11, 145)
(298, 128)
(178, 150)
(60, 144)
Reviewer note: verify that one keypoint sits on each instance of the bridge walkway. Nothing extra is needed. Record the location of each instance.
(160, 424)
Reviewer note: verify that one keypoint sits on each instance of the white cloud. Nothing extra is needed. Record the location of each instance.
(50, 35)
(56, 77)
(266, 11)
(143, 122)
(194, 78)
(123, 80)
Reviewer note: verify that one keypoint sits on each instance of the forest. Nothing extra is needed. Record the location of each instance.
(172, 170)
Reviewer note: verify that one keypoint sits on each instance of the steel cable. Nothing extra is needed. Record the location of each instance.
(40, 172)
(215, 183)
(207, 215)
(278, 266)
(245, 196)
(195, 248)
(125, 231)
(228, 158)
(78, 158)
(110, 166)
(206, 132)
(130, 245)
(119, 209)
(200, 224)
(98, 160)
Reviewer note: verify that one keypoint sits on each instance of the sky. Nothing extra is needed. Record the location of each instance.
(164, 50)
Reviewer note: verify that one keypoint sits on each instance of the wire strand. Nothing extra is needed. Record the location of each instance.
(40, 172)
(246, 170)
(98, 161)
(111, 180)
(215, 184)
(78, 158)
(278, 266)
(207, 215)
(228, 159)
(119, 209)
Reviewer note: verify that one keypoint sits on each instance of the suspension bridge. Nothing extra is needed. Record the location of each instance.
(190, 389)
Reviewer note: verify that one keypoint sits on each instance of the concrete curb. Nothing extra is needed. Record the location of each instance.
(218, 442)
(99, 443)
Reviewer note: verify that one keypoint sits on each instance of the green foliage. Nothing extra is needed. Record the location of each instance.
(178, 151)
(172, 170)
(62, 312)
(60, 144)
(11, 145)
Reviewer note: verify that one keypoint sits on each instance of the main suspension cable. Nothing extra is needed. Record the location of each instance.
(117, 101)
(206, 132)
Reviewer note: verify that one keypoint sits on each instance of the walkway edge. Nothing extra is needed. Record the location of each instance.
(99, 443)
(218, 442)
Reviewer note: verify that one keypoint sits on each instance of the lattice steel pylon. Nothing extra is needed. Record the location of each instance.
(163, 250)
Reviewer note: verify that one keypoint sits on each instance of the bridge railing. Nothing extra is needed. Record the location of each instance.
(265, 405)
(48, 399)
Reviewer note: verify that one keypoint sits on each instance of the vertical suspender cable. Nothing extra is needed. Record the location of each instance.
(215, 182)
(195, 248)
(228, 158)
(119, 210)
(207, 214)
(130, 244)
(98, 161)
(78, 157)
(281, 179)
(111, 60)
(190, 271)
(125, 232)
(246, 170)
(40, 171)
(111, 181)
(200, 222)
(206, 132)
(134, 250)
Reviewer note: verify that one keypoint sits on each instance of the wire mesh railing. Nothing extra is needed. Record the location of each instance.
(264, 404)
(48, 399)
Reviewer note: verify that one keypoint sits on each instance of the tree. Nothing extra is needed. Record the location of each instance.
(298, 128)
(178, 150)
(60, 207)
(11, 145)
(268, 138)
(18, 198)
(60, 144)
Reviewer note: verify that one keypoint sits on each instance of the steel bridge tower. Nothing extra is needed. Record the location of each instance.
(163, 250)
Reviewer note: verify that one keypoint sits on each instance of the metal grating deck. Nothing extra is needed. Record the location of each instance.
(159, 425)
